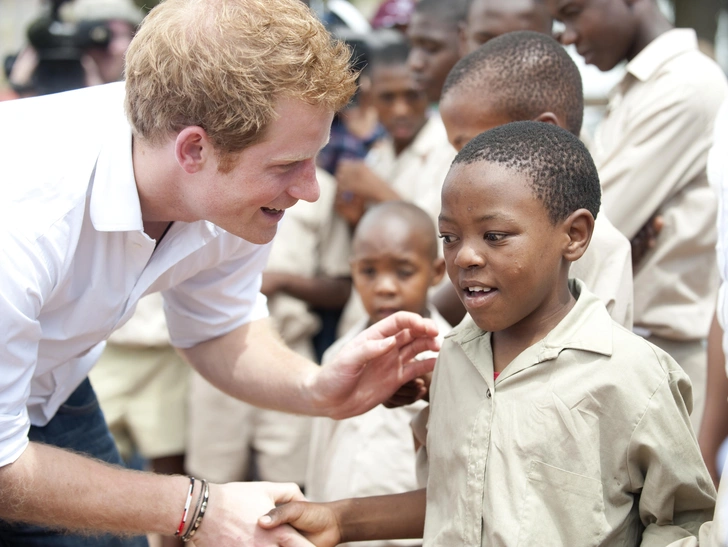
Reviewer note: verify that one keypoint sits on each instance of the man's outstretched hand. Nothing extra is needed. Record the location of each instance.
(373, 366)
(317, 522)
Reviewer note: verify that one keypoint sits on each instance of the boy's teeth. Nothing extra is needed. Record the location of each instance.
(479, 289)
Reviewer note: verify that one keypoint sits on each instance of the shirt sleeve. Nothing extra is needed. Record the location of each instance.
(219, 299)
(668, 475)
(664, 147)
(24, 278)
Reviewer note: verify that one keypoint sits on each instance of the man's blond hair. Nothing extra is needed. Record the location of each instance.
(223, 64)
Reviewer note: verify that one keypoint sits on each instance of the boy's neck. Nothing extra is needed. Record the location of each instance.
(511, 342)
(652, 24)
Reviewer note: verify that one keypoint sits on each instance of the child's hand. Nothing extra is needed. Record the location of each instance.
(411, 392)
(316, 521)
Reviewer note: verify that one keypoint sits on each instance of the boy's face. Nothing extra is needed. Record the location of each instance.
(400, 103)
(503, 254)
(488, 19)
(466, 113)
(434, 51)
(603, 31)
(392, 269)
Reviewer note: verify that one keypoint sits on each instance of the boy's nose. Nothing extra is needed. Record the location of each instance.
(416, 60)
(467, 257)
(567, 37)
(385, 284)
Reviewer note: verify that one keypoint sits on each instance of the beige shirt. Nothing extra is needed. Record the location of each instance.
(584, 439)
(311, 240)
(368, 455)
(418, 172)
(651, 152)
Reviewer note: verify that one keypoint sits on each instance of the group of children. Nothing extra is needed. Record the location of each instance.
(547, 421)
(564, 406)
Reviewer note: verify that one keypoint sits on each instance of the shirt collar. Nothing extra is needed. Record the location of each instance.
(663, 48)
(115, 202)
(586, 327)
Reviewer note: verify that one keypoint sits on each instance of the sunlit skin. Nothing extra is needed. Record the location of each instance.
(604, 32)
(434, 51)
(266, 178)
(490, 18)
(400, 103)
(466, 113)
(508, 262)
(393, 268)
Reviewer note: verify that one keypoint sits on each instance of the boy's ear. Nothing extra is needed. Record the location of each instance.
(192, 148)
(579, 227)
(438, 267)
(550, 117)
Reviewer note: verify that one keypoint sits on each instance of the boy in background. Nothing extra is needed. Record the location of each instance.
(488, 19)
(651, 151)
(394, 263)
(523, 76)
(433, 36)
(409, 164)
(549, 423)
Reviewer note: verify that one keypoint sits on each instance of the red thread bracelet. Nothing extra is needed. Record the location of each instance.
(186, 509)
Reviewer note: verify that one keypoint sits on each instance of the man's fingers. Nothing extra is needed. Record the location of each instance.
(417, 346)
(284, 492)
(414, 324)
(418, 368)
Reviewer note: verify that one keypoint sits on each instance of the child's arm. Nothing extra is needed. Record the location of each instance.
(396, 516)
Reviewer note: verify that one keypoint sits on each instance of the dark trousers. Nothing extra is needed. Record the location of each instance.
(78, 425)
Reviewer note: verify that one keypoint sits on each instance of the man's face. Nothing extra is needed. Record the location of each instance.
(490, 18)
(603, 31)
(267, 178)
(502, 252)
(466, 113)
(392, 269)
(434, 51)
(400, 103)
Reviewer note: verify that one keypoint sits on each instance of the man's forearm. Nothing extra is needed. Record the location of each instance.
(56, 488)
(397, 516)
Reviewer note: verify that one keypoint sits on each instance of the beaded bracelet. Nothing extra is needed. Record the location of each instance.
(186, 509)
(204, 496)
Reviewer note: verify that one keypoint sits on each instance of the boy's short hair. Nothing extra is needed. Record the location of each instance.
(409, 213)
(388, 48)
(525, 74)
(450, 12)
(561, 170)
(223, 64)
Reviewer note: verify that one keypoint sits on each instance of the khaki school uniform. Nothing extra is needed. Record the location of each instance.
(651, 152)
(141, 383)
(311, 240)
(584, 439)
(367, 455)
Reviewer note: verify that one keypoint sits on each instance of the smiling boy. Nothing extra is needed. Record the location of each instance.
(549, 423)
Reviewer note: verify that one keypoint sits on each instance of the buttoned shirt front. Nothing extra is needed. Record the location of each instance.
(651, 152)
(583, 439)
(76, 258)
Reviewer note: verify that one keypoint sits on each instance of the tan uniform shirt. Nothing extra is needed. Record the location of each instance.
(584, 439)
(651, 152)
(368, 455)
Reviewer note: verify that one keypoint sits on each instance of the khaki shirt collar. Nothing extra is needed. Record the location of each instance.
(587, 327)
(663, 48)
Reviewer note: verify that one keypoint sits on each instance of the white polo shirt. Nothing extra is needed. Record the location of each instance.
(75, 259)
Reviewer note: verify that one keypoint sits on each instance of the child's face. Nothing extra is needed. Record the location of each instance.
(466, 113)
(490, 18)
(603, 31)
(400, 103)
(434, 51)
(503, 254)
(392, 270)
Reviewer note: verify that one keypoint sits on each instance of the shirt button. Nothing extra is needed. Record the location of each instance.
(487, 393)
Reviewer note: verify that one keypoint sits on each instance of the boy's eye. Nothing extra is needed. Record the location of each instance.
(446, 239)
(367, 271)
(404, 274)
(494, 237)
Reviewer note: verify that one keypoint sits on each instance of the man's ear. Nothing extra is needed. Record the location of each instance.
(550, 117)
(578, 227)
(192, 149)
(438, 267)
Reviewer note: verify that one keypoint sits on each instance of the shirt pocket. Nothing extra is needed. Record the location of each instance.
(561, 509)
